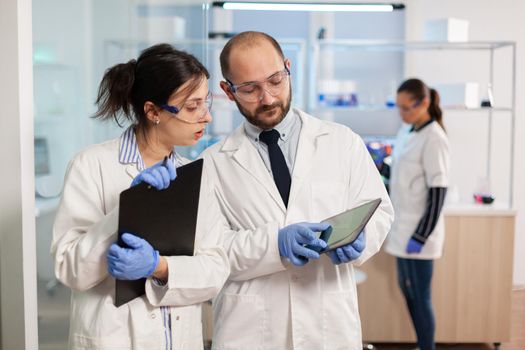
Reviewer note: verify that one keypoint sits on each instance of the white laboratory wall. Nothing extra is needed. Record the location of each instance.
(489, 21)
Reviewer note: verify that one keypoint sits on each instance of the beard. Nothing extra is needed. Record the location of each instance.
(260, 121)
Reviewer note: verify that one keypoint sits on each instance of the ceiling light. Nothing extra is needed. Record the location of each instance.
(294, 6)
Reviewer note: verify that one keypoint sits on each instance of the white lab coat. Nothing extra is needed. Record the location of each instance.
(421, 160)
(267, 303)
(85, 227)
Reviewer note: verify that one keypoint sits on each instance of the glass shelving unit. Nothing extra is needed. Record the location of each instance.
(318, 54)
(225, 114)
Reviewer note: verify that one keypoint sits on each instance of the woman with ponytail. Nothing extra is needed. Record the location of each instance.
(164, 97)
(418, 185)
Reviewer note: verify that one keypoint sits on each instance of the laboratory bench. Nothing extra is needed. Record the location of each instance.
(471, 286)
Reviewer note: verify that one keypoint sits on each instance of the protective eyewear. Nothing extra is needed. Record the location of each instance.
(253, 91)
(192, 111)
(405, 109)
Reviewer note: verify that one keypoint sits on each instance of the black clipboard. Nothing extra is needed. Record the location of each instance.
(167, 219)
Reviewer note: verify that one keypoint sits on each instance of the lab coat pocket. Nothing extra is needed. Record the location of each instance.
(241, 323)
(328, 199)
(82, 342)
(341, 325)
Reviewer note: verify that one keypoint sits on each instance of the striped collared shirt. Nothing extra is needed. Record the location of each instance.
(129, 151)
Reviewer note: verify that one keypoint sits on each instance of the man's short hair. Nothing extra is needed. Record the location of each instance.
(245, 39)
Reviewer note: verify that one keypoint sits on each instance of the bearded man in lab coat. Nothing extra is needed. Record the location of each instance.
(276, 177)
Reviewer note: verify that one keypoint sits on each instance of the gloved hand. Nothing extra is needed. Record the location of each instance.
(138, 261)
(292, 238)
(158, 175)
(414, 247)
(348, 252)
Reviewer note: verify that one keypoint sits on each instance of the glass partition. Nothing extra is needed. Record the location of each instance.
(74, 42)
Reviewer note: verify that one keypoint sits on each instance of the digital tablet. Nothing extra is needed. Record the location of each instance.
(346, 226)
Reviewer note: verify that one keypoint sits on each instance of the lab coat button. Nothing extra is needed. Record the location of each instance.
(153, 316)
(295, 278)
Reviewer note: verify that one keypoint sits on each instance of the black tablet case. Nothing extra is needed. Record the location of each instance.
(167, 219)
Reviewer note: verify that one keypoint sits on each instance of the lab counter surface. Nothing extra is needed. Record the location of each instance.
(471, 287)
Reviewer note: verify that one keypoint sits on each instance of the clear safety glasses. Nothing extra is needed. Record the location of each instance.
(408, 109)
(192, 111)
(253, 91)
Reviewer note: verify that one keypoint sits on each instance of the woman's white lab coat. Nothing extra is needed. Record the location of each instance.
(85, 227)
(268, 303)
(420, 161)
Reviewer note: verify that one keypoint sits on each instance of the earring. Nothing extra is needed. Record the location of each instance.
(156, 121)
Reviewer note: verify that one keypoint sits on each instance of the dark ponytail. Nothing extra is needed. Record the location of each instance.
(433, 109)
(158, 72)
(419, 90)
(114, 93)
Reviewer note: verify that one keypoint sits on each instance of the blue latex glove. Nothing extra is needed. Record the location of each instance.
(348, 252)
(158, 175)
(292, 238)
(138, 261)
(414, 247)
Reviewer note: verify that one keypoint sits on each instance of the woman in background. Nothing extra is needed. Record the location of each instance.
(164, 95)
(418, 185)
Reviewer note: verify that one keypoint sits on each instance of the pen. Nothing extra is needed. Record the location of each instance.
(164, 163)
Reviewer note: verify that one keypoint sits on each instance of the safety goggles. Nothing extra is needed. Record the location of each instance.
(192, 111)
(408, 109)
(254, 91)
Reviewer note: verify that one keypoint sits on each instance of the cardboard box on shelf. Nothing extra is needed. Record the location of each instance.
(463, 95)
(446, 29)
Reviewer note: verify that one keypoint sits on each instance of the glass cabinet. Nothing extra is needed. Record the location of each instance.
(366, 75)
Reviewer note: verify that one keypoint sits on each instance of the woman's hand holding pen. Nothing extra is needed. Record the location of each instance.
(159, 175)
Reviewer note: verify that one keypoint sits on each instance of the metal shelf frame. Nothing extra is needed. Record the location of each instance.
(404, 46)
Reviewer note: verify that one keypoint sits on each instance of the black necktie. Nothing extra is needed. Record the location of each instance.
(281, 174)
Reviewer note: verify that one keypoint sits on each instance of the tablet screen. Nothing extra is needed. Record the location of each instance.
(345, 227)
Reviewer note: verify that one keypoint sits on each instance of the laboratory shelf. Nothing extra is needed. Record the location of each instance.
(387, 109)
(325, 54)
(380, 45)
(207, 51)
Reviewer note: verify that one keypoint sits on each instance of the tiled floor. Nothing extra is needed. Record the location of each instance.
(518, 322)
(438, 347)
(53, 311)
